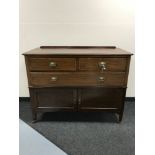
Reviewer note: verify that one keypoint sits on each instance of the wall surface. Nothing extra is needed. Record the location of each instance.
(76, 22)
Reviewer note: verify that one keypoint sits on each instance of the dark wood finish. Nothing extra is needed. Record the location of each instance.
(112, 64)
(43, 64)
(75, 47)
(76, 79)
(54, 99)
(27, 69)
(33, 104)
(78, 51)
(100, 98)
(71, 78)
(27, 99)
(127, 70)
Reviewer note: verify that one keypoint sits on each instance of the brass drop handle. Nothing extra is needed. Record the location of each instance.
(54, 78)
(102, 65)
(52, 64)
(101, 78)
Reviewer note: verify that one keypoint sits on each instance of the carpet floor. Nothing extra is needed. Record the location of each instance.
(86, 133)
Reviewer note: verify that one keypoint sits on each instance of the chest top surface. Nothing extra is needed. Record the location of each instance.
(77, 50)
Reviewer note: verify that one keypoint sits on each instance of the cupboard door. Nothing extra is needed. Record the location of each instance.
(92, 99)
(55, 99)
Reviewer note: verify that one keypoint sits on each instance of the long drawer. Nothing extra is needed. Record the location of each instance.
(48, 79)
(52, 64)
(102, 64)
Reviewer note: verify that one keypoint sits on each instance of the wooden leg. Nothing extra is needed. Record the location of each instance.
(120, 117)
(34, 115)
(120, 113)
(33, 104)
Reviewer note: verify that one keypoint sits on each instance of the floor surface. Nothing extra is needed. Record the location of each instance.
(87, 133)
(33, 143)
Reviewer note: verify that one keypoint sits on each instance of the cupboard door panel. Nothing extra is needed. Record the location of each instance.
(101, 98)
(56, 99)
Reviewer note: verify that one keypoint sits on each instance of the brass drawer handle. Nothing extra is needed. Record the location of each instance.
(54, 78)
(101, 78)
(102, 65)
(52, 64)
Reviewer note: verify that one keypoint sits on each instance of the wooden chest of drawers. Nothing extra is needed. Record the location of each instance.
(77, 79)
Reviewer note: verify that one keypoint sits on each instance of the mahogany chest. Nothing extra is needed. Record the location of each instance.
(82, 78)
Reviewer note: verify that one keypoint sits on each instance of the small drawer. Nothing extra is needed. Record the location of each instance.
(77, 79)
(52, 64)
(102, 64)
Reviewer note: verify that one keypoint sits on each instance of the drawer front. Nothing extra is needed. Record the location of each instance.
(102, 64)
(76, 79)
(52, 64)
